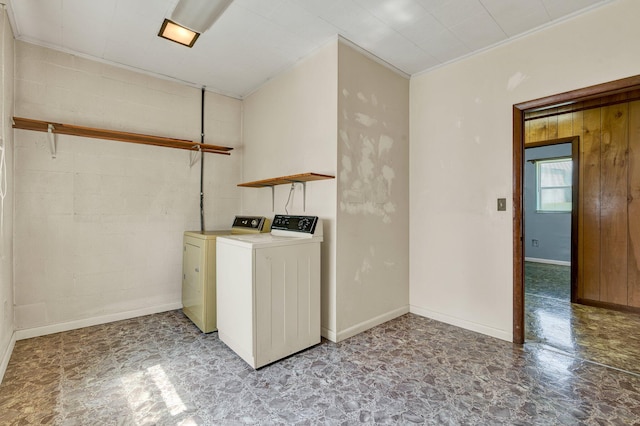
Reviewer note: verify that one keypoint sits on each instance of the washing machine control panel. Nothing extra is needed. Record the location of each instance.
(304, 224)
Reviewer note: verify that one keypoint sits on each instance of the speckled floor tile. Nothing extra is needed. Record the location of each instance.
(160, 370)
(549, 281)
(600, 335)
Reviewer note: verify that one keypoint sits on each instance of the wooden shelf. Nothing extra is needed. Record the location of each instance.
(302, 178)
(114, 135)
(283, 180)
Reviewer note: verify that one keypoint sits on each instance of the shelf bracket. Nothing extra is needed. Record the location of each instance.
(304, 192)
(304, 196)
(273, 198)
(194, 156)
(52, 139)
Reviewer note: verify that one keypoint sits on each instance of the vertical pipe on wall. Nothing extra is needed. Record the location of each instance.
(202, 162)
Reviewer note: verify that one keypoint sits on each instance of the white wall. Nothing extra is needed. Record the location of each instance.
(373, 193)
(290, 128)
(312, 119)
(7, 338)
(98, 229)
(461, 148)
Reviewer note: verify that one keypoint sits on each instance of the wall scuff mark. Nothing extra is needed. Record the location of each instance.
(367, 173)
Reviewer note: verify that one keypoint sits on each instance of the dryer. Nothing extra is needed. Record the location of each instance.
(199, 269)
(269, 290)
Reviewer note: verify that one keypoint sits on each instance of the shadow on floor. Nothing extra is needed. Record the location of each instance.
(600, 335)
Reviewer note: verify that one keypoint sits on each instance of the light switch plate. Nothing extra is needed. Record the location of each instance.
(502, 204)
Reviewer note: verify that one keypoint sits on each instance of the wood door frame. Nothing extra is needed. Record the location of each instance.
(590, 94)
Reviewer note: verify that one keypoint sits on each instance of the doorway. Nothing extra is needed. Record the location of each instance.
(559, 243)
(625, 324)
(550, 211)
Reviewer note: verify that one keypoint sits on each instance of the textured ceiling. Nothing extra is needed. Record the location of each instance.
(254, 40)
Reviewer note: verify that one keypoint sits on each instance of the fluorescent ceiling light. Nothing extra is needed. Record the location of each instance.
(199, 15)
(190, 18)
(175, 32)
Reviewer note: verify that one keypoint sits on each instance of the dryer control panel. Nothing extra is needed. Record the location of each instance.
(250, 224)
(303, 224)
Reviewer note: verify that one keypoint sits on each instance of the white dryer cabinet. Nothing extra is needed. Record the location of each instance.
(268, 294)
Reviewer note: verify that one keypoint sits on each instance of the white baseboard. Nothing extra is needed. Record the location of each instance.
(328, 334)
(363, 326)
(7, 356)
(88, 322)
(458, 322)
(548, 261)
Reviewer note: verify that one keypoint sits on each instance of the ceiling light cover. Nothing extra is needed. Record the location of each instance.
(177, 33)
(199, 15)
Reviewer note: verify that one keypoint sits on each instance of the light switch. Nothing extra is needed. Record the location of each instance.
(502, 204)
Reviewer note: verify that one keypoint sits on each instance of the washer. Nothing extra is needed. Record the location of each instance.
(199, 269)
(269, 290)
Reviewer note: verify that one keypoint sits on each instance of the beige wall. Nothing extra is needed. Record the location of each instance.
(290, 128)
(373, 193)
(340, 113)
(98, 229)
(461, 147)
(7, 338)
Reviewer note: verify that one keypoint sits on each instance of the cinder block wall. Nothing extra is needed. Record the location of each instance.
(98, 229)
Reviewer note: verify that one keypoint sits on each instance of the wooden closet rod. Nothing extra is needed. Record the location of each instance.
(114, 135)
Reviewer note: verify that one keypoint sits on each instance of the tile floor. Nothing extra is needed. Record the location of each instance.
(601, 335)
(160, 369)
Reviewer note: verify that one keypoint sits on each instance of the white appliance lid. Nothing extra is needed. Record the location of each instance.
(255, 241)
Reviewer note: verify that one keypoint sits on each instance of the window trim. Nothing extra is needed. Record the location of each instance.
(538, 164)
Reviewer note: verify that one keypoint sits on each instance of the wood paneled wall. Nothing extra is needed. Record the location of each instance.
(633, 208)
(609, 197)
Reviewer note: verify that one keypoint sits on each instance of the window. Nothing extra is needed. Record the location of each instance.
(554, 184)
